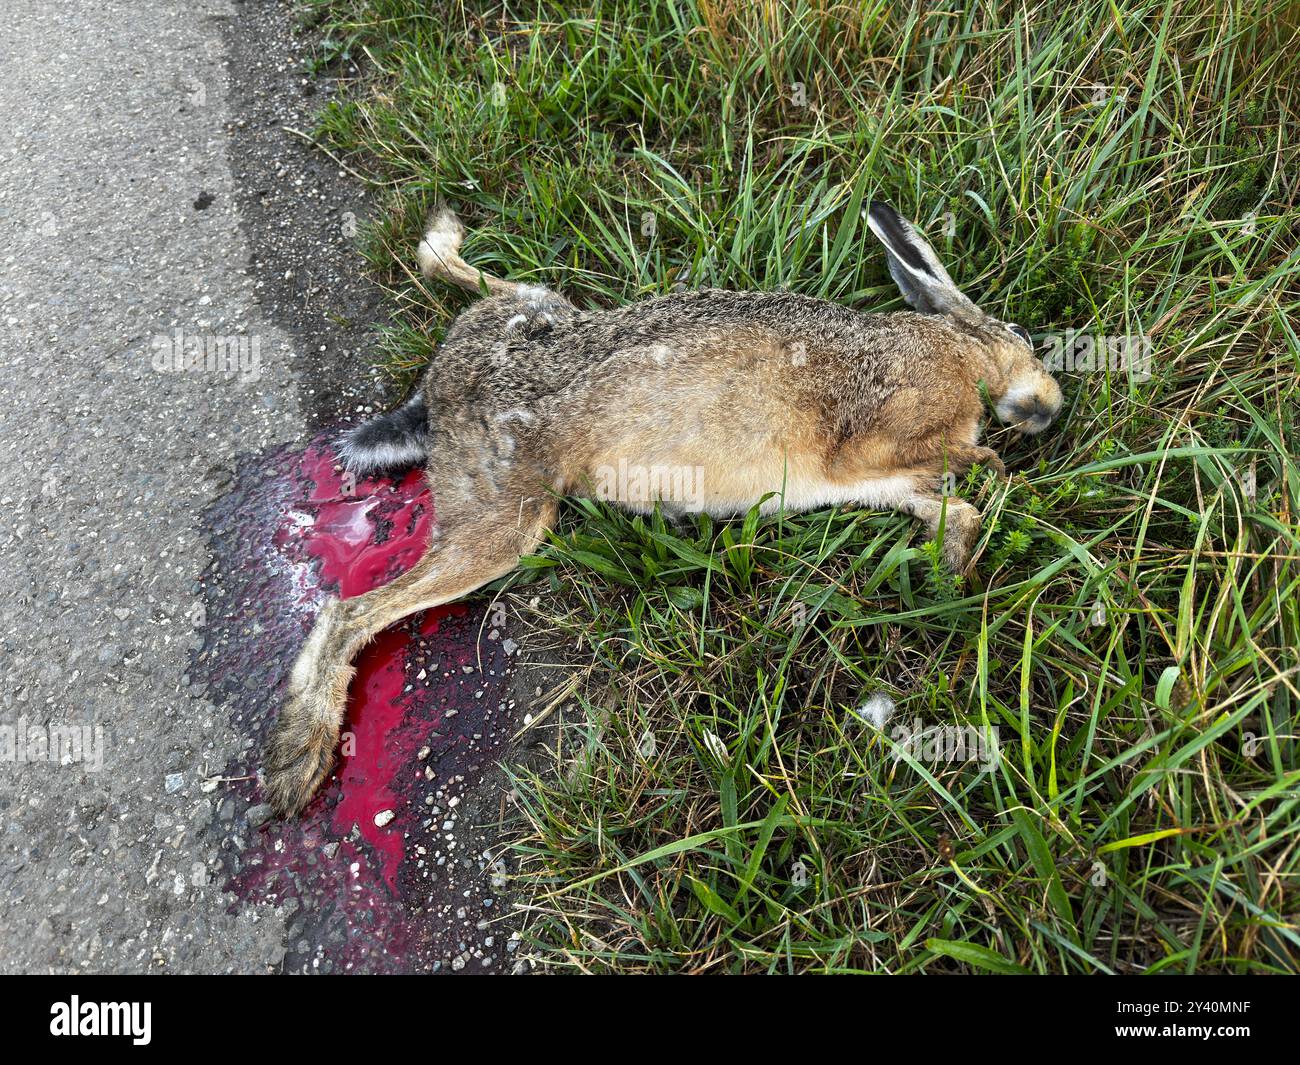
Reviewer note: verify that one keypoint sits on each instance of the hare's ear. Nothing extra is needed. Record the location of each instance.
(916, 269)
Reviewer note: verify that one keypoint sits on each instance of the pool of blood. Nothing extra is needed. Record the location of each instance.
(293, 531)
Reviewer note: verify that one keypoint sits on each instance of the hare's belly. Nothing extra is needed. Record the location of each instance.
(728, 480)
(736, 495)
(691, 490)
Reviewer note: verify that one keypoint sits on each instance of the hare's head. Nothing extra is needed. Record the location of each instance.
(1024, 394)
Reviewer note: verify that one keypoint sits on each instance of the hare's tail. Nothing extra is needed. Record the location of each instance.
(439, 254)
(397, 440)
(389, 443)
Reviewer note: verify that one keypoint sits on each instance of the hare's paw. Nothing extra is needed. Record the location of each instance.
(961, 529)
(300, 753)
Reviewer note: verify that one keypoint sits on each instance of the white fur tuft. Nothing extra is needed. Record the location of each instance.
(877, 710)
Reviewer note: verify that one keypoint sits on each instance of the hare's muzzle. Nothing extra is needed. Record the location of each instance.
(1031, 405)
(1034, 416)
(1031, 415)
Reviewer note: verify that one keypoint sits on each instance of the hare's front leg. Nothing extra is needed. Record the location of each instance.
(910, 492)
(961, 524)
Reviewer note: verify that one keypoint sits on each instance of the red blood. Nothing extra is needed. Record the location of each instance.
(365, 533)
(363, 537)
(327, 537)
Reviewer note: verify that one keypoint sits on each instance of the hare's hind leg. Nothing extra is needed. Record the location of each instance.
(466, 552)
(439, 255)
(440, 259)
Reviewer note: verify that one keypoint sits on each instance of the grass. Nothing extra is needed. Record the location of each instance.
(1132, 628)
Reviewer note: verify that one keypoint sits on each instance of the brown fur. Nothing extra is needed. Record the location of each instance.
(759, 392)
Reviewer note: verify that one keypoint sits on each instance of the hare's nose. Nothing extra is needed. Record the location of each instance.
(1034, 414)
(1032, 410)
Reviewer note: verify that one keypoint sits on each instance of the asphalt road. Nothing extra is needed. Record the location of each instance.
(120, 224)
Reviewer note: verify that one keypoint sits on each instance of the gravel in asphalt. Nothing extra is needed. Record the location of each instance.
(120, 226)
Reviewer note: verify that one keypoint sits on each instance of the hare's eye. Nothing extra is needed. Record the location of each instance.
(1021, 332)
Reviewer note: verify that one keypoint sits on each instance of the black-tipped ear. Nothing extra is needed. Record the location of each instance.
(894, 232)
(915, 268)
